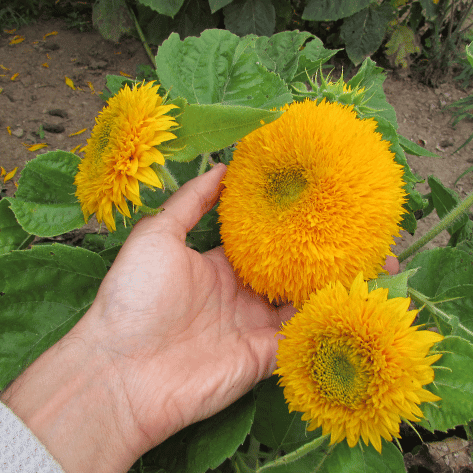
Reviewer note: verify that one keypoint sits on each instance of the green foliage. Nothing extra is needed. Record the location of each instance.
(205, 444)
(45, 204)
(38, 305)
(401, 45)
(454, 384)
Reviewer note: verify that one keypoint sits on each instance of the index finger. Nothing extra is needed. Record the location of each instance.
(186, 206)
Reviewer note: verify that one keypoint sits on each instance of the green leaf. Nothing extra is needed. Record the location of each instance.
(215, 5)
(442, 275)
(12, 236)
(281, 52)
(243, 17)
(206, 234)
(362, 458)
(218, 67)
(43, 292)
(454, 384)
(113, 84)
(193, 18)
(371, 77)
(328, 10)
(274, 426)
(45, 204)
(397, 284)
(401, 45)
(413, 148)
(444, 201)
(207, 128)
(364, 31)
(311, 59)
(112, 19)
(469, 53)
(164, 7)
(205, 444)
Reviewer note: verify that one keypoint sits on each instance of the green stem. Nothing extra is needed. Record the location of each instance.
(446, 222)
(299, 453)
(166, 177)
(143, 39)
(204, 163)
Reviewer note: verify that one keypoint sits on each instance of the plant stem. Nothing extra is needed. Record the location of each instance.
(204, 163)
(166, 177)
(143, 39)
(442, 225)
(299, 453)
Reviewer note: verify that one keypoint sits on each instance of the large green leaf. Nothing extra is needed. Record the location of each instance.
(274, 426)
(205, 444)
(243, 17)
(112, 19)
(443, 281)
(218, 67)
(454, 384)
(445, 200)
(43, 293)
(193, 18)
(215, 5)
(371, 77)
(281, 52)
(164, 7)
(329, 10)
(207, 128)
(45, 204)
(364, 31)
(311, 58)
(12, 236)
(364, 459)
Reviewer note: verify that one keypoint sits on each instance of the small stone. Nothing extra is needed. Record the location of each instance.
(18, 132)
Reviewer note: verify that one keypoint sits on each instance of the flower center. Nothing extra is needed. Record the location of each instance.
(285, 186)
(340, 374)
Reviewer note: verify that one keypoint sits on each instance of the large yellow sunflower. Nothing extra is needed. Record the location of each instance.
(121, 150)
(313, 197)
(353, 364)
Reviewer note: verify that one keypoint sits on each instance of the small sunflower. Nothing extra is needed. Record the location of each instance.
(313, 197)
(353, 364)
(121, 150)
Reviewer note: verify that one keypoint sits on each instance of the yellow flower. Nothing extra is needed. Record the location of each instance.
(353, 364)
(121, 150)
(313, 197)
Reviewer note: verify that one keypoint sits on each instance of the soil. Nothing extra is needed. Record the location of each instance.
(33, 78)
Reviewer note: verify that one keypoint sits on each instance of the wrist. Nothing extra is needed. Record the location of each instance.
(71, 400)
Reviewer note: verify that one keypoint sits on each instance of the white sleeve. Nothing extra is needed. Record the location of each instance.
(20, 450)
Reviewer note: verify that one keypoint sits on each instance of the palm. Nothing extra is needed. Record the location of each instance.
(212, 339)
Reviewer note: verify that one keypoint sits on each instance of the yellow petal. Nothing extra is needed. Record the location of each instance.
(16, 39)
(78, 132)
(14, 76)
(10, 175)
(70, 83)
(37, 146)
(53, 33)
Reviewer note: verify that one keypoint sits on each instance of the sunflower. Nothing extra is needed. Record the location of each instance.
(353, 364)
(121, 150)
(313, 197)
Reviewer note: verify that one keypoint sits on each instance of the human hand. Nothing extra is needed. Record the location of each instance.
(172, 338)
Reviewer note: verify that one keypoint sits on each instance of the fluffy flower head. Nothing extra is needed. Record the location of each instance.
(121, 150)
(353, 364)
(313, 197)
